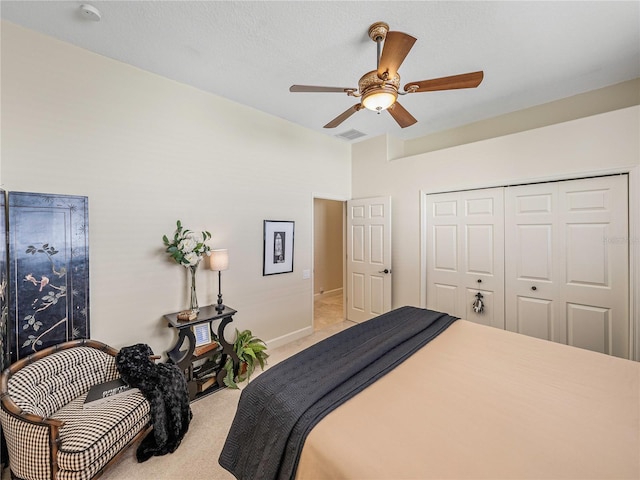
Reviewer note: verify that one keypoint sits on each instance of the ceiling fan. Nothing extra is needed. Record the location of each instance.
(379, 89)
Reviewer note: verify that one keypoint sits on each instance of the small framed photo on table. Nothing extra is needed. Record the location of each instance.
(202, 333)
(278, 247)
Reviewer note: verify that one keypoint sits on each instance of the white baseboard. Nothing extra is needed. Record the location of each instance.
(328, 292)
(289, 337)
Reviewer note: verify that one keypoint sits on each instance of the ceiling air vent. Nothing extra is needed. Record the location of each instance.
(351, 134)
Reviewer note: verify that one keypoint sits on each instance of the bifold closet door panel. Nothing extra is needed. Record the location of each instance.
(595, 278)
(567, 263)
(532, 262)
(465, 254)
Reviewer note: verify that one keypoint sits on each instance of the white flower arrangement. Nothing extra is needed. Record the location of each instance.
(187, 247)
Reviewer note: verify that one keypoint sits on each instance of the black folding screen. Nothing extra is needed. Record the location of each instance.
(46, 272)
(4, 301)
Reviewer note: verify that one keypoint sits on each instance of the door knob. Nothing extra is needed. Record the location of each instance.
(534, 288)
(386, 270)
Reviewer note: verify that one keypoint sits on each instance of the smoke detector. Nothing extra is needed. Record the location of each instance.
(90, 12)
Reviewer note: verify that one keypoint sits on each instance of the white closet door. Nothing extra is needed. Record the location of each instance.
(594, 217)
(567, 263)
(465, 254)
(532, 263)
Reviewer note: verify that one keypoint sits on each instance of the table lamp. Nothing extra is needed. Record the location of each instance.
(219, 261)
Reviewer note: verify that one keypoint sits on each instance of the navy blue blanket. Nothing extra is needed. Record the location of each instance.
(279, 408)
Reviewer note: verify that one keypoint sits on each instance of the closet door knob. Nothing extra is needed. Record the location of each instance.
(534, 288)
(479, 280)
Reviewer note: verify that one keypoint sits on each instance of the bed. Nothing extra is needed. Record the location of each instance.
(416, 394)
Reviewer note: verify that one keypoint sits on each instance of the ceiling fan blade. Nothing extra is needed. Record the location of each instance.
(400, 115)
(312, 88)
(464, 80)
(343, 116)
(396, 47)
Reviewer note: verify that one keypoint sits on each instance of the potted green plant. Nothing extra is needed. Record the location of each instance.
(251, 351)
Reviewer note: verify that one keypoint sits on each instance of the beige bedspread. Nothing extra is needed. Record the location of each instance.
(479, 402)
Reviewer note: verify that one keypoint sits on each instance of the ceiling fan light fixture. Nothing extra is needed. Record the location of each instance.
(378, 94)
(379, 99)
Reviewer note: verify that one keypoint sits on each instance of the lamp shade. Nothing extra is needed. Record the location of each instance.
(219, 260)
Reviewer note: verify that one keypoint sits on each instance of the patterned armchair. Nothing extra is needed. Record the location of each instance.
(49, 434)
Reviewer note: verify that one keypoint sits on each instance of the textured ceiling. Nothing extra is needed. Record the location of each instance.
(251, 52)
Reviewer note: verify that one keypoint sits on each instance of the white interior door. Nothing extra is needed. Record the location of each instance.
(465, 252)
(567, 263)
(368, 258)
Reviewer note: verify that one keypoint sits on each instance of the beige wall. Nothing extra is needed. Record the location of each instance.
(328, 240)
(600, 143)
(147, 151)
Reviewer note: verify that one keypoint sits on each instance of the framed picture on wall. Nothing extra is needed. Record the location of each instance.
(278, 247)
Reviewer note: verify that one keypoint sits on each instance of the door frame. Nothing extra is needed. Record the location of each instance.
(633, 239)
(338, 198)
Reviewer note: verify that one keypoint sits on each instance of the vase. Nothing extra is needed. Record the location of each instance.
(193, 296)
